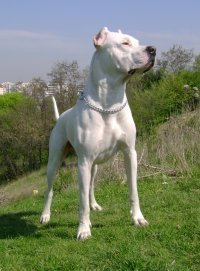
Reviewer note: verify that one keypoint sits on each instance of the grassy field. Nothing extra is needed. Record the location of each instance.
(171, 242)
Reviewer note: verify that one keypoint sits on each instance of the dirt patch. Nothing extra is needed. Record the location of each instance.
(3, 197)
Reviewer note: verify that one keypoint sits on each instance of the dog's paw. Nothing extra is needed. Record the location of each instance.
(96, 207)
(84, 231)
(139, 220)
(45, 218)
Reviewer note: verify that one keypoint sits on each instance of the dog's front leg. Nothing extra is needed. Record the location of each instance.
(84, 175)
(130, 156)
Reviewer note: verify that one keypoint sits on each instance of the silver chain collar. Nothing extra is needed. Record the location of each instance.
(101, 110)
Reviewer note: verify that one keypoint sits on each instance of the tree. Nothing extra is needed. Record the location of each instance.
(64, 73)
(37, 89)
(18, 87)
(152, 77)
(22, 142)
(69, 78)
(175, 59)
(58, 74)
(196, 64)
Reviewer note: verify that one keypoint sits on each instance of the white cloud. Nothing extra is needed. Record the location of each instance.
(11, 34)
(22, 38)
(26, 54)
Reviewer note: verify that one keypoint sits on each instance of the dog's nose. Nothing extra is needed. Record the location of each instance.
(151, 50)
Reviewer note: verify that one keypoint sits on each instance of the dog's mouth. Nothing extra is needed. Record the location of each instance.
(150, 65)
(144, 70)
(132, 71)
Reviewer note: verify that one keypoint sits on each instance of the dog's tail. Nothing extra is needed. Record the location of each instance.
(55, 107)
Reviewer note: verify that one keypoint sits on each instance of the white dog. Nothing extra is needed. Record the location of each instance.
(101, 123)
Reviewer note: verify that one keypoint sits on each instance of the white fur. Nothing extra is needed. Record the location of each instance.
(97, 136)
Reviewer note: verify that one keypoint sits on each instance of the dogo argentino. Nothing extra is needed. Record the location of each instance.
(101, 123)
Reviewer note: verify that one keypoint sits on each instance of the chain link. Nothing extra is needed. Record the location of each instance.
(101, 110)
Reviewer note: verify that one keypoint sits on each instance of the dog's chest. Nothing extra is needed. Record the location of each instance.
(101, 141)
(106, 146)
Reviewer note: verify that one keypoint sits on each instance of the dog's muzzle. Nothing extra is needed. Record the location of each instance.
(151, 50)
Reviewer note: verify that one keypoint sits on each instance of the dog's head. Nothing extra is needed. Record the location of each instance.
(123, 53)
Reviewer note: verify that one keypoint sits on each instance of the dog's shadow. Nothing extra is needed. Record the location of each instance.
(16, 224)
(13, 225)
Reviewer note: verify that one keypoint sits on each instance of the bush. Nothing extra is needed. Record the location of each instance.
(176, 143)
(24, 136)
(9, 101)
(172, 150)
(155, 105)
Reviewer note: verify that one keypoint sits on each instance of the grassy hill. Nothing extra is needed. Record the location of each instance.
(169, 192)
(171, 242)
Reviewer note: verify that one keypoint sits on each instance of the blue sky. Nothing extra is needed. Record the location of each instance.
(34, 34)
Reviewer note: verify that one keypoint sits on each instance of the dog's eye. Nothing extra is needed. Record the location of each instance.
(126, 43)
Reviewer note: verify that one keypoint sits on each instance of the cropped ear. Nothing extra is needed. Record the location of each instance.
(100, 38)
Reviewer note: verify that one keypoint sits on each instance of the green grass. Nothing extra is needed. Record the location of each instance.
(171, 242)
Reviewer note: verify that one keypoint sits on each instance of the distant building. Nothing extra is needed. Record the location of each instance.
(8, 87)
(1, 89)
(51, 90)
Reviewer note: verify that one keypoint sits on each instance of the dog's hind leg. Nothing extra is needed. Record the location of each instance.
(93, 204)
(55, 159)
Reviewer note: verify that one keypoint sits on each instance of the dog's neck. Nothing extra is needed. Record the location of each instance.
(103, 88)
